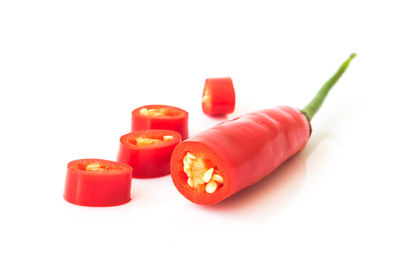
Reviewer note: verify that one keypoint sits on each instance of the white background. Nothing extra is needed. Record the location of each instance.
(72, 71)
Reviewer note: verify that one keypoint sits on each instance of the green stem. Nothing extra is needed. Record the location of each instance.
(313, 107)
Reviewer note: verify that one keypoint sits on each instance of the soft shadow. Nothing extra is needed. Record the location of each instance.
(218, 117)
(269, 195)
(317, 139)
(273, 193)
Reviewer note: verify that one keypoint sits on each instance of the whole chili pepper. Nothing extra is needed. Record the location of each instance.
(161, 117)
(218, 96)
(216, 163)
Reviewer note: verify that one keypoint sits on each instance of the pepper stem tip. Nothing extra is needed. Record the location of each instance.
(311, 109)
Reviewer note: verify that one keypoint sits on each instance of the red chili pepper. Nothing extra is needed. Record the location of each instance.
(161, 117)
(218, 96)
(148, 152)
(97, 183)
(235, 154)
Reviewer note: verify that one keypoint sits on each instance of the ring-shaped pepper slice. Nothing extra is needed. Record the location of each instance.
(97, 183)
(218, 97)
(148, 152)
(161, 117)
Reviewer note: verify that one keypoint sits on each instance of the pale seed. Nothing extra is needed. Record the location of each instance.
(207, 175)
(218, 178)
(187, 159)
(211, 187)
(168, 137)
(144, 111)
(206, 98)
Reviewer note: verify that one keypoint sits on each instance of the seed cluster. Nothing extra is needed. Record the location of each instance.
(199, 175)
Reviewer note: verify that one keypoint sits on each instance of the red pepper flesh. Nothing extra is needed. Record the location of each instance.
(97, 183)
(148, 152)
(218, 96)
(244, 150)
(161, 117)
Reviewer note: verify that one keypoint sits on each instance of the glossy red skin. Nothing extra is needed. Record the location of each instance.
(151, 160)
(245, 150)
(222, 96)
(97, 189)
(178, 123)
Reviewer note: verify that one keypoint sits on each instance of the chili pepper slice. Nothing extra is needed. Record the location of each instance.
(218, 96)
(148, 152)
(161, 117)
(216, 163)
(97, 183)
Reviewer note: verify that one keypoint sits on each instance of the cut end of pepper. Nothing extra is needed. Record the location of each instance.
(200, 174)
